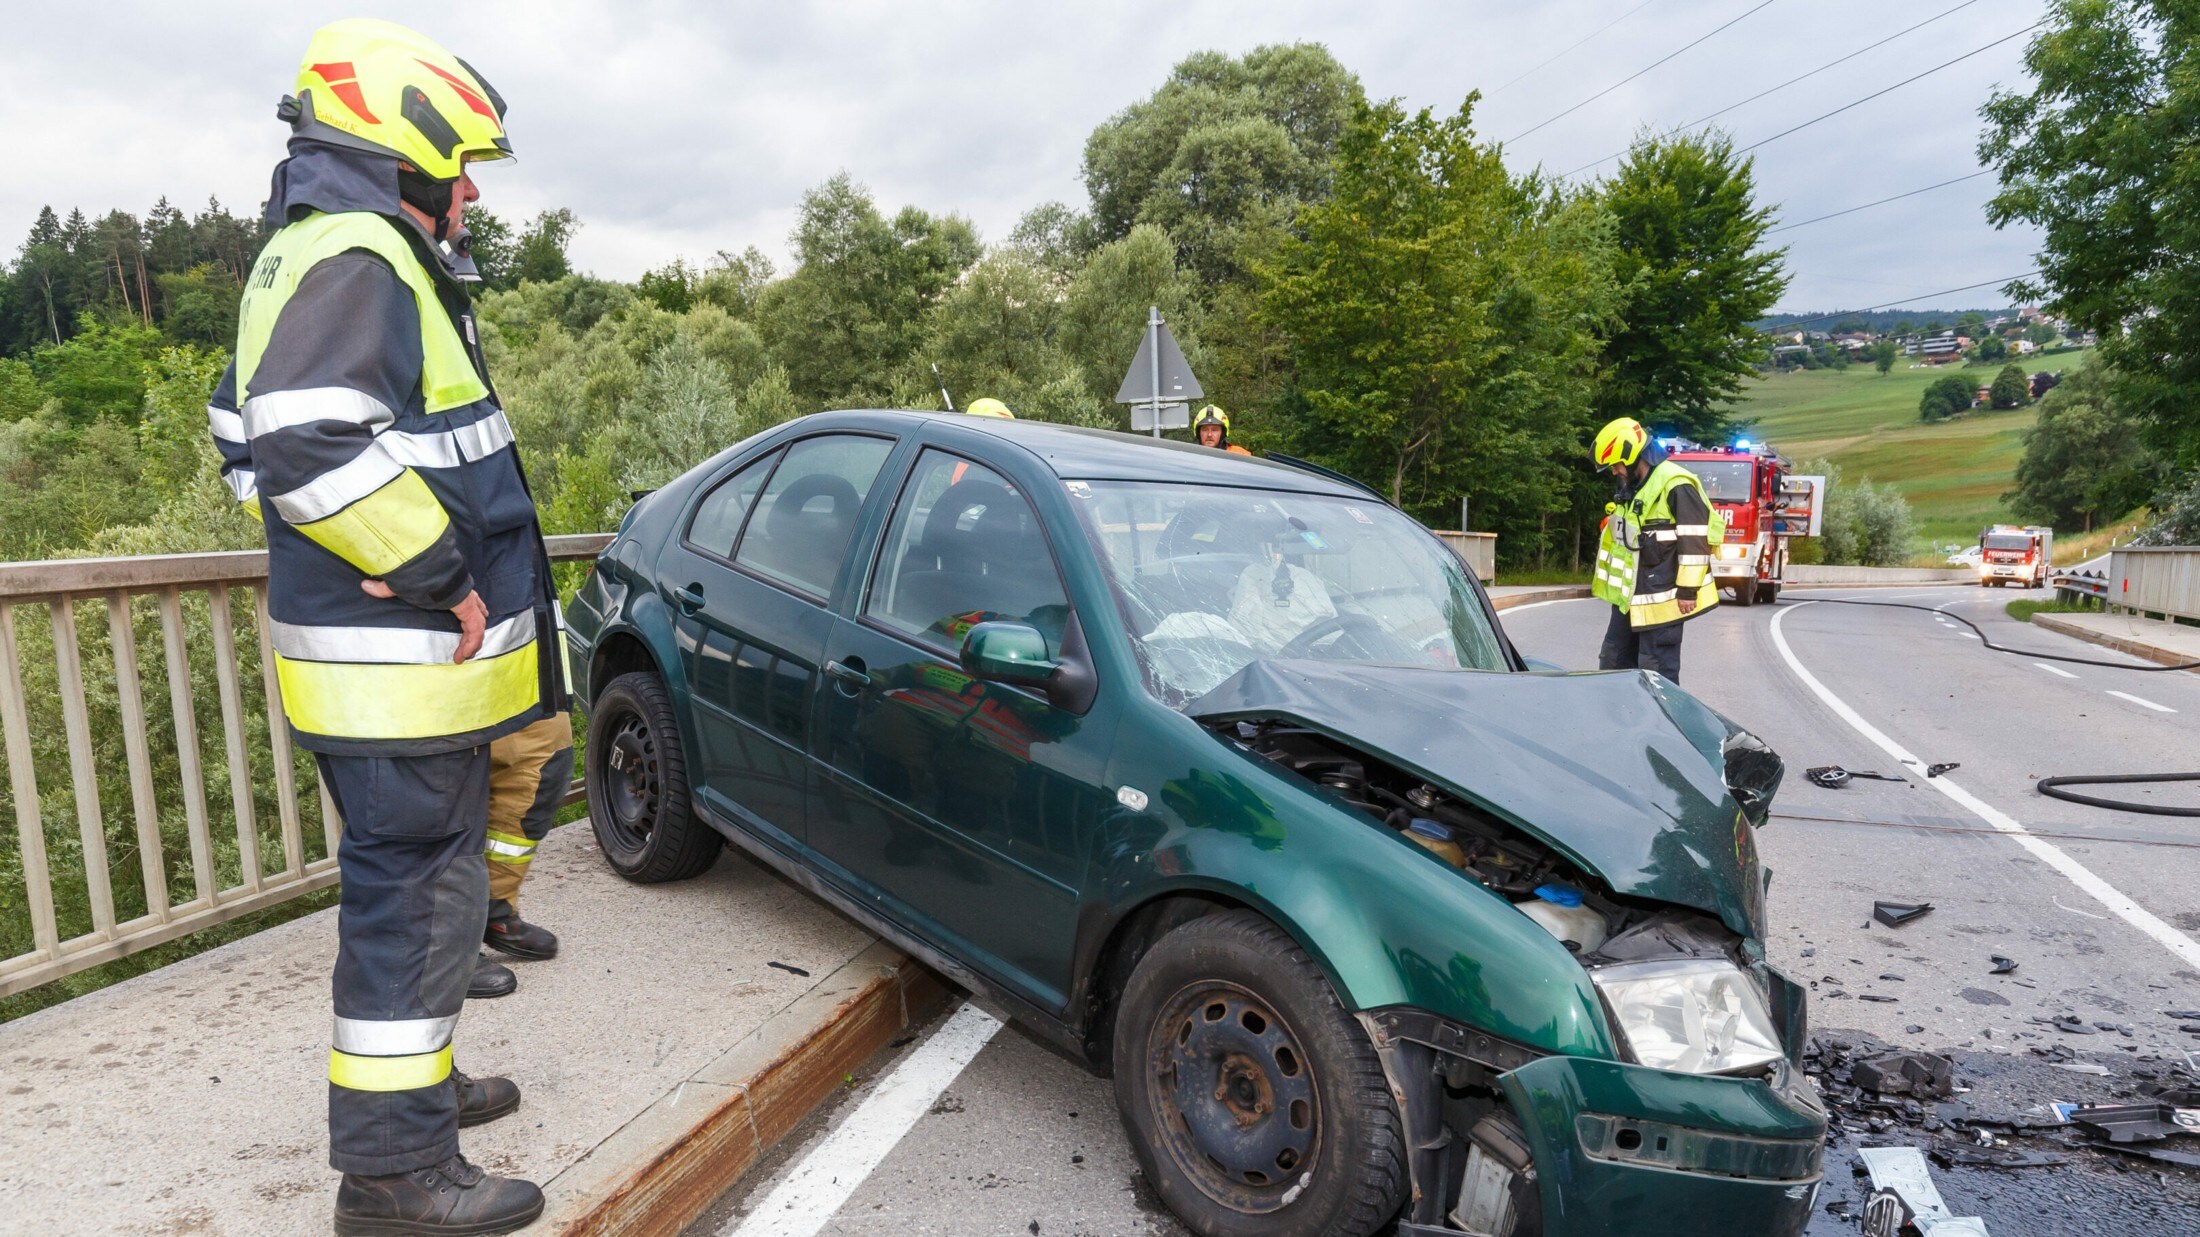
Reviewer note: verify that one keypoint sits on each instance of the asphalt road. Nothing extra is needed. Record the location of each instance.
(2100, 909)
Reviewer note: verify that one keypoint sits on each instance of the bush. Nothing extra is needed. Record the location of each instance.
(1947, 396)
(2179, 521)
(1865, 524)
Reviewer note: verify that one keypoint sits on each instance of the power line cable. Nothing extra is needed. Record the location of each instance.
(1897, 86)
(1790, 82)
(1881, 202)
(1903, 301)
(1577, 43)
(1637, 73)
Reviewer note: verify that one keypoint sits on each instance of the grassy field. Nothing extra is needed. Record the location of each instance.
(1953, 473)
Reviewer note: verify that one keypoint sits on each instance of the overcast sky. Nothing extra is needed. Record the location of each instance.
(680, 127)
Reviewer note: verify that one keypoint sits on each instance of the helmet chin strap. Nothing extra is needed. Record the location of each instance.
(429, 196)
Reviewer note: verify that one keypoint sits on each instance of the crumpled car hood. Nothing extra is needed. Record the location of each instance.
(1621, 772)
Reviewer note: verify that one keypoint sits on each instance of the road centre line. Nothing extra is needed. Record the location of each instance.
(2047, 852)
(2054, 670)
(807, 1198)
(2159, 708)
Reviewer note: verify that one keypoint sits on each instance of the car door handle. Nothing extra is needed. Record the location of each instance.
(690, 597)
(849, 673)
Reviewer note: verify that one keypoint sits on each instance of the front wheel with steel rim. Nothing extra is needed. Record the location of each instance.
(638, 803)
(1254, 1102)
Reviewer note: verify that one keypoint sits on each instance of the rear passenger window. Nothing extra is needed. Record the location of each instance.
(717, 520)
(964, 547)
(807, 512)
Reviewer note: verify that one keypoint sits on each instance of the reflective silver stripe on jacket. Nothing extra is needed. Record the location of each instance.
(1662, 534)
(227, 425)
(242, 482)
(264, 414)
(339, 487)
(1651, 599)
(496, 847)
(404, 1037)
(1692, 530)
(448, 448)
(394, 646)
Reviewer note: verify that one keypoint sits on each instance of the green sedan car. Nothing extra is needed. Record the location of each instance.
(1220, 774)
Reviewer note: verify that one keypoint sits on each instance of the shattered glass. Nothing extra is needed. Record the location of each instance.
(1213, 578)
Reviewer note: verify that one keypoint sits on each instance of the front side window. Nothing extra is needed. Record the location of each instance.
(1214, 578)
(807, 512)
(964, 548)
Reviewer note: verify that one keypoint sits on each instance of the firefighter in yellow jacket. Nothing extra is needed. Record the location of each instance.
(1654, 559)
(409, 597)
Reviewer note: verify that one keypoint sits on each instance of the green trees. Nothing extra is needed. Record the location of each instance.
(1442, 317)
(2097, 156)
(1991, 348)
(2011, 389)
(852, 311)
(1693, 275)
(1884, 354)
(2085, 459)
(1228, 146)
(1948, 395)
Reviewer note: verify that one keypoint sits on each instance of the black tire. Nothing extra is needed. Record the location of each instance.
(1767, 593)
(1315, 1144)
(1745, 593)
(638, 800)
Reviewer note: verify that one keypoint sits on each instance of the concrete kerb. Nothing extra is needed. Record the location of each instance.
(2135, 645)
(665, 1167)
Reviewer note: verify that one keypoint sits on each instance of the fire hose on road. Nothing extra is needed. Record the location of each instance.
(2053, 787)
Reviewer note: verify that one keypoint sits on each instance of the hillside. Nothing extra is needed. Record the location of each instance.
(1953, 473)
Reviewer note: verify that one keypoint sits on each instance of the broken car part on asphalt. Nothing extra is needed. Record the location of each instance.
(1901, 1173)
(1895, 914)
(1833, 777)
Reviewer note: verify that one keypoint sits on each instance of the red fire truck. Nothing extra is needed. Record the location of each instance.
(2019, 554)
(1764, 504)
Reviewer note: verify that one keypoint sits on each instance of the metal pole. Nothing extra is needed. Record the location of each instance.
(1153, 361)
(1463, 525)
(950, 400)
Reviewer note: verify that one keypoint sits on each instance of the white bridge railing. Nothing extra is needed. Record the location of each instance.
(2161, 580)
(110, 842)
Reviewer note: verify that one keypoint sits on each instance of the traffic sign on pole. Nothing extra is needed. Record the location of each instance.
(1159, 376)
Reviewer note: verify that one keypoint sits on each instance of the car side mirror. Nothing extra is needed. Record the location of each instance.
(1012, 653)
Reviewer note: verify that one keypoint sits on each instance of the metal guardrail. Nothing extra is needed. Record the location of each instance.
(2155, 580)
(2079, 585)
(168, 870)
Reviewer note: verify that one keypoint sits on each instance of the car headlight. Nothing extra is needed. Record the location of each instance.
(1695, 1015)
(1733, 551)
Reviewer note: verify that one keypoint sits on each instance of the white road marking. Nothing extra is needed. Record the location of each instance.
(2052, 670)
(2046, 852)
(1968, 635)
(2159, 708)
(1555, 601)
(805, 1200)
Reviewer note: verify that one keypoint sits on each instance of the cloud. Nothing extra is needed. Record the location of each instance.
(679, 127)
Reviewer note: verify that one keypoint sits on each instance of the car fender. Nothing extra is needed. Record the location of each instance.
(1389, 923)
(639, 612)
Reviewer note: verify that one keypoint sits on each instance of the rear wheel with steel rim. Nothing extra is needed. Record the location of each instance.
(1255, 1103)
(636, 772)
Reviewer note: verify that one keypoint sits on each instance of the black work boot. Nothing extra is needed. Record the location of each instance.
(452, 1197)
(491, 979)
(482, 1100)
(508, 933)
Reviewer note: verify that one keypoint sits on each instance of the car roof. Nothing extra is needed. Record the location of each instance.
(1074, 453)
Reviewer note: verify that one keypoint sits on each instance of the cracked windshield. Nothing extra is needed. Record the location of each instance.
(1212, 579)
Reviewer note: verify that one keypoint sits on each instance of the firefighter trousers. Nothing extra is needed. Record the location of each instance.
(414, 902)
(529, 772)
(1627, 647)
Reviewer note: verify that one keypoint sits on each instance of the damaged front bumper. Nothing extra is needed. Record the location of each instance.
(1623, 1149)
(1612, 1147)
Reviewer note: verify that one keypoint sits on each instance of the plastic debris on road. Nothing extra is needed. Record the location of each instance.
(1903, 1191)
(1895, 914)
(2002, 966)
